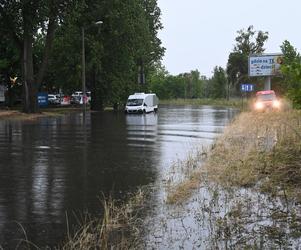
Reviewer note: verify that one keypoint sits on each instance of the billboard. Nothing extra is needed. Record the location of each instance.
(265, 65)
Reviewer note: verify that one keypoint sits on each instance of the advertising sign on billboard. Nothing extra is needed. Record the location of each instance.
(265, 65)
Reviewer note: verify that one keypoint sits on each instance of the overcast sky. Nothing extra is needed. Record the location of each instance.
(200, 34)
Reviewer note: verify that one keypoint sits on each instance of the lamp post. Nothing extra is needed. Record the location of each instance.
(84, 66)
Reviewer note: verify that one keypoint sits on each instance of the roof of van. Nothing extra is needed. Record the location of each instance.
(141, 95)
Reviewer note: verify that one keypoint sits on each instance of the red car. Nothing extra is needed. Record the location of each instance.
(266, 100)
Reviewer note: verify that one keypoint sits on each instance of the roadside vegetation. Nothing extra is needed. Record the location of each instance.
(225, 83)
(248, 188)
(112, 66)
(259, 150)
(221, 102)
(118, 227)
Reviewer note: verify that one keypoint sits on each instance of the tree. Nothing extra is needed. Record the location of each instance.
(9, 68)
(247, 42)
(22, 21)
(291, 70)
(218, 83)
(127, 38)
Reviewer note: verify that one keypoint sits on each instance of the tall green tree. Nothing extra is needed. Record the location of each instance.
(248, 42)
(291, 70)
(114, 51)
(22, 21)
(130, 39)
(218, 83)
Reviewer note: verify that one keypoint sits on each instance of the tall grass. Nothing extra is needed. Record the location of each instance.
(118, 228)
(257, 149)
(262, 149)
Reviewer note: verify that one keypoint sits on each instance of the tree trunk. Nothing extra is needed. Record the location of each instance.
(31, 84)
(96, 95)
(30, 104)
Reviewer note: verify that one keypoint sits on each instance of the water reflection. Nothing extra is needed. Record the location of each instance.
(58, 166)
(141, 130)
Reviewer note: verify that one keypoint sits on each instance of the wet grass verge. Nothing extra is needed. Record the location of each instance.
(118, 228)
(260, 150)
(247, 193)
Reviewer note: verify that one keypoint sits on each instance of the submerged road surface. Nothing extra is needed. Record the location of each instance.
(56, 167)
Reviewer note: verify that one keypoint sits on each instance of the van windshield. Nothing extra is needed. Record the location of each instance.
(134, 102)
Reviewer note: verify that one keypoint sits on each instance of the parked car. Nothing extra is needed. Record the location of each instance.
(266, 100)
(66, 100)
(77, 93)
(52, 99)
(77, 97)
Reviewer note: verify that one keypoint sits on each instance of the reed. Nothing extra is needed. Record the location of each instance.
(118, 228)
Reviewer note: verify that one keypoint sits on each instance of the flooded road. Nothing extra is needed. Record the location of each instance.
(59, 166)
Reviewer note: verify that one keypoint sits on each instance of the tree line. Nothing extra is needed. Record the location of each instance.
(226, 82)
(41, 45)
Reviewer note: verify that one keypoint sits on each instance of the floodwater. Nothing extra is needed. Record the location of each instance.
(57, 167)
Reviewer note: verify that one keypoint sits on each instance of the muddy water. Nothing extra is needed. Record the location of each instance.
(54, 168)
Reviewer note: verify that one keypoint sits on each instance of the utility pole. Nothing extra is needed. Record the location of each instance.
(83, 71)
(267, 83)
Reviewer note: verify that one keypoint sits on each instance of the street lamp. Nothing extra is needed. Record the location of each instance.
(84, 65)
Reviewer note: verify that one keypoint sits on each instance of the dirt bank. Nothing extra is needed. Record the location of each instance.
(18, 115)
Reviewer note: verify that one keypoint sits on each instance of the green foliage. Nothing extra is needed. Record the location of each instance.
(64, 69)
(295, 96)
(291, 70)
(24, 23)
(219, 83)
(186, 85)
(127, 37)
(247, 42)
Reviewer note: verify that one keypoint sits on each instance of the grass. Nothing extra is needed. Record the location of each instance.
(249, 186)
(184, 190)
(207, 101)
(119, 227)
(261, 150)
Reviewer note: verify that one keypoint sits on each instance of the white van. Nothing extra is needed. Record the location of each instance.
(141, 103)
